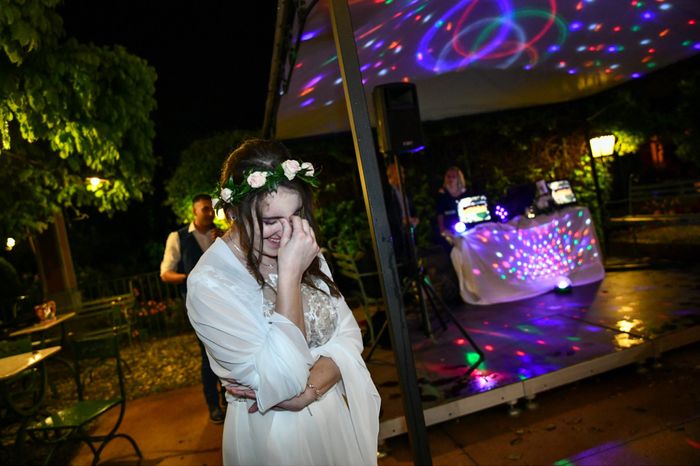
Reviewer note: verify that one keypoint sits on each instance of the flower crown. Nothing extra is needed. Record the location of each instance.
(232, 193)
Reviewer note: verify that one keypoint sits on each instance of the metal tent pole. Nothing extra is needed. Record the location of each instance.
(279, 52)
(379, 226)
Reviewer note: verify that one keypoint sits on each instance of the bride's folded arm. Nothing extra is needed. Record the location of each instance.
(271, 357)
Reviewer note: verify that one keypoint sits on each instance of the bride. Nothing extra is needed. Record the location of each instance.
(277, 331)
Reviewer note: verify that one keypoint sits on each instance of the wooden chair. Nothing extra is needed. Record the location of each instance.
(72, 423)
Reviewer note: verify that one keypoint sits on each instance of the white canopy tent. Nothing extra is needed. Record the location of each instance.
(475, 56)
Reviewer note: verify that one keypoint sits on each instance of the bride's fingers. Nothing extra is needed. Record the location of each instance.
(312, 233)
(286, 231)
(297, 224)
(305, 225)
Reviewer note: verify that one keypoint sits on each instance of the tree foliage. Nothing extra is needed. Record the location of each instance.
(68, 111)
(199, 169)
(28, 25)
(686, 133)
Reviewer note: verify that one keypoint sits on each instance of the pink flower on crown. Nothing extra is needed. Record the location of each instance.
(257, 179)
(308, 167)
(226, 195)
(290, 167)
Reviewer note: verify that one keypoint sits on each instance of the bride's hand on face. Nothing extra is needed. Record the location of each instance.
(298, 246)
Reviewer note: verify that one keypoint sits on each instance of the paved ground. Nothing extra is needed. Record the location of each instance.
(645, 415)
(633, 415)
(623, 417)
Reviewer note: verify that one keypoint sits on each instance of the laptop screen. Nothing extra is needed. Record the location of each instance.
(474, 209)
(562, 194)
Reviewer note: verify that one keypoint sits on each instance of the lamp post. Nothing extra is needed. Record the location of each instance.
(600, 146)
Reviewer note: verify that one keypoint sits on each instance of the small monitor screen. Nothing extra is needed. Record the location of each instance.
(474, 209)
(562, 194)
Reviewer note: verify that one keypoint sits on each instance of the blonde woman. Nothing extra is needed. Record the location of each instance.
(453, 188)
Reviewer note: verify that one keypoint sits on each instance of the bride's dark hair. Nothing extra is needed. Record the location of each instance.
(266, 155)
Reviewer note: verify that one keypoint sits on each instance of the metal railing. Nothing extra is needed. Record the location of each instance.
(148, 286)
(158, 309)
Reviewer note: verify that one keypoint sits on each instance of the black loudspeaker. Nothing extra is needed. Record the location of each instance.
(398, 119)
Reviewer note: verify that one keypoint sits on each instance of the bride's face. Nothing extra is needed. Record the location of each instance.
(282, 204)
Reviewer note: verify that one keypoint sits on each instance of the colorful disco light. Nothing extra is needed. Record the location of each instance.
(501, 213)
(563, 285)
(459, 227)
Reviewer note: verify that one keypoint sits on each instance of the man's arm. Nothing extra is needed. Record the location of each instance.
(173, 277)
(171, 259)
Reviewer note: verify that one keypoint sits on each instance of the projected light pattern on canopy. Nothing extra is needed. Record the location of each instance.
(496, 33)
(569, 48)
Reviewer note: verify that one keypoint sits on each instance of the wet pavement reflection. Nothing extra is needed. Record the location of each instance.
(539, 336)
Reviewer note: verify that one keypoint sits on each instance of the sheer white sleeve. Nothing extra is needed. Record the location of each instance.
(268, 354)
(345, 349)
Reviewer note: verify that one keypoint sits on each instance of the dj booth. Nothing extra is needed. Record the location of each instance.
(525, 257)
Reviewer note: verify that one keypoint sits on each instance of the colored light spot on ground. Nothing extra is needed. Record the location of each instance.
(693, 443)
(471, 358)
(488, 347)
(563, 462)
(528, 328)
(520, 353)
(460, 341)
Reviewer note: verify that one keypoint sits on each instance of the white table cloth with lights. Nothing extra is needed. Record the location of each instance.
(526, 257)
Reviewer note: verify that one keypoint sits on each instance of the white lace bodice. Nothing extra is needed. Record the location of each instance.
(320, 314)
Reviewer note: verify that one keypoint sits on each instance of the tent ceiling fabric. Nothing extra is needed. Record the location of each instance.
(475, 56)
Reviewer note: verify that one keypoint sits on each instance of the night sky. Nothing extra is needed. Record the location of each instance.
(212, 59)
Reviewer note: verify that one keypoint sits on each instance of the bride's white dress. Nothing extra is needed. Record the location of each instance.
(251, 345)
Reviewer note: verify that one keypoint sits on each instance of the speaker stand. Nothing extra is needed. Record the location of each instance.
(419, 283)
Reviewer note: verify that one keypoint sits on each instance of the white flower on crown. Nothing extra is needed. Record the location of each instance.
(257, 179)
(291, 168)
(308, 167)
(226, 195)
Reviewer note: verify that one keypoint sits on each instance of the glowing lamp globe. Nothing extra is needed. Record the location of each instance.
(460, 227)
(563, 285)
(603, 146)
